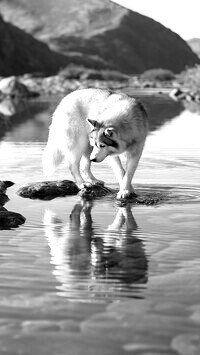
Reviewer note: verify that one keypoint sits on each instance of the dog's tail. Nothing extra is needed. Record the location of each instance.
(52, 157)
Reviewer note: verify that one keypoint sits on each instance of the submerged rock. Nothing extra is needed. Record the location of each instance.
(8, 219)
(47, 190)
(142, 198)
(149, 199)
(94, 191)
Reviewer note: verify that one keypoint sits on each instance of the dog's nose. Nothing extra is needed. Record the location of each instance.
(94, 160)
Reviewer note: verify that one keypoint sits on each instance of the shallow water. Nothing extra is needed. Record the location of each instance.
(96, 278)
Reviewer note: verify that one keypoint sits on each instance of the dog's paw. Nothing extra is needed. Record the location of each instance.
(82, 186)
(122, 194)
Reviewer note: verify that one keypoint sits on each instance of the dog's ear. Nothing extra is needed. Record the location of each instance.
(93, 123)
(110, 132)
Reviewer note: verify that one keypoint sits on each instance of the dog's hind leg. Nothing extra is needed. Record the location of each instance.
(74, 158)
(78, 156)
(74, 167)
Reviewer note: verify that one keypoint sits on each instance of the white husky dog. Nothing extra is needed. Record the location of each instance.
(92, 124)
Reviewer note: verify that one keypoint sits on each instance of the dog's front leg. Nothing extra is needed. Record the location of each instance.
(74, 169)
(133, 157)
(115, 163)
(125, 186)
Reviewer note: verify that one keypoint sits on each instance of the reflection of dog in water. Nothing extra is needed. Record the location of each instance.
(92, 124)
(88, 261)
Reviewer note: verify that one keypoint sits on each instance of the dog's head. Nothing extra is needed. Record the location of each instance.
(103, 140)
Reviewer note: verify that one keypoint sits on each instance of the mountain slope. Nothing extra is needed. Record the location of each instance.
(126, 40)
(136, 45)
(21, 53)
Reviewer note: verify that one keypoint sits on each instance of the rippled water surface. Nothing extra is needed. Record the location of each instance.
(95, 278)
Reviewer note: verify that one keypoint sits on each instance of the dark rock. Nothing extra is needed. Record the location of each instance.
(3, 199)
(149, 199)
(9, 219)
(48, 190)
(4, 185)
(142, 198)
(94, 191)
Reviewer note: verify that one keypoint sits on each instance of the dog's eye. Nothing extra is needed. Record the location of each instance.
(102, 145)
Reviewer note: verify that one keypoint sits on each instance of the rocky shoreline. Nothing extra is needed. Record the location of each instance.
(31, 86)
(72, 78)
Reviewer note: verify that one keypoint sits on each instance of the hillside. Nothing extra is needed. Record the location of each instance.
(21, 53)
(194, 43)
(124, 39)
